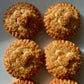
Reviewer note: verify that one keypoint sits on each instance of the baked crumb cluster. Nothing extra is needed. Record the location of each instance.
(63, 58)
(62, 20)
(22, 20)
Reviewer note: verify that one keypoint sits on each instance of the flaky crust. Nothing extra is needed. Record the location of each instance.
(64, 81)
(62, 58)
(23, 82)
(62, 20)
(22, 20)
(23, 59)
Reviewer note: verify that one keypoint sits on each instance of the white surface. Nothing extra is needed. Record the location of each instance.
(42, 39)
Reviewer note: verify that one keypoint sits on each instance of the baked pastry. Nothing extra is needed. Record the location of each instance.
(62, 20)
(22, 82)
(23, 59)
(62, 58)
(22, 20)
(64, 81)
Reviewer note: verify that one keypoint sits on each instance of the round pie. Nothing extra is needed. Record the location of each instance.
(22, 82)
(62, 20)
(22, 20)
(64, 81)
(23, 59)
(62, 58)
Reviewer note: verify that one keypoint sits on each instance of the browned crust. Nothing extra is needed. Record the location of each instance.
(62, 58)
(28, 31)
(64, 81)
(23, 82)
(55, 31)
(23, 59)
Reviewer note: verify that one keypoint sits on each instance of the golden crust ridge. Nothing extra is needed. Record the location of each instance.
(64, 81)
(22, 82)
